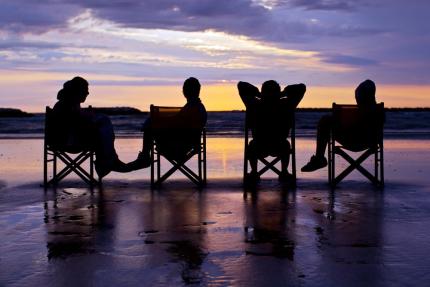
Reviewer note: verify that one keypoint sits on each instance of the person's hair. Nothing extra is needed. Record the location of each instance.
(365, 93)
(270, 90)
(191, 88)
(72, 89)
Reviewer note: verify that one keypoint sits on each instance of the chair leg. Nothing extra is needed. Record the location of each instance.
(329, 161)
(158, 167)
(200, 169)
(45, 165)
(381, 164)
(92, 168)
(74, 165)
(245, 161)
(152, 165)
(204, 157)
(204, 164)
(71, 165)
(354, 164)
(376, 171)
(269, 165)
(54, 167)
(293, 164)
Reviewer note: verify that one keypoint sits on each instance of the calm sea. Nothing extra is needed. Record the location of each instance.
(412, 124)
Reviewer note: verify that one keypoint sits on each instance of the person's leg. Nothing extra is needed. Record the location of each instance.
(104, 137)
(252, 156)
(318, 160)
(144, 157)
(147, 142)
(285, 151)
(323, 135)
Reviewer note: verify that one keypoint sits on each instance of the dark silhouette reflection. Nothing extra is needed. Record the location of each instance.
(118, 231)
(353, 133)
(182, 231)
(269, 225)
(269, 114)
(349, 236)
(72, 218)
(76, 128)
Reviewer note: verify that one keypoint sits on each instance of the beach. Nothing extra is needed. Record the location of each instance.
(127, 234)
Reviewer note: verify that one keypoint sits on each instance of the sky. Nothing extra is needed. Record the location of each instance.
(137, 53)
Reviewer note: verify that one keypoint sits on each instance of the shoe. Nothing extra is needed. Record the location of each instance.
(314, 164)
(142, 161)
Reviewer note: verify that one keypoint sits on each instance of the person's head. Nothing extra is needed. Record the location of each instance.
(191, 88)
(365, 93)
(270, 90)
(74, 91)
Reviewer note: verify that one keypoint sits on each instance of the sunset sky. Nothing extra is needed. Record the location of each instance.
(135, 53)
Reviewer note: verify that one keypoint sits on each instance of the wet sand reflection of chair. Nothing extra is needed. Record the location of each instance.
(55, 151)
(368, 139)
(177, 146)
(270, 165)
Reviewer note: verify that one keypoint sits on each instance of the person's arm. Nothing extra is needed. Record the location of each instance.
(248, 93)
(293, 94)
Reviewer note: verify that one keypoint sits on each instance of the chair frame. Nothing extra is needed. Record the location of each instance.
(199, 177)
(377, 178)
(73, 163)
(270, 165)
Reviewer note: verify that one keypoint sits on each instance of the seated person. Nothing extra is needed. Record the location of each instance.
(76, 129)
(191, 116)
(354, 135)
(270, 119)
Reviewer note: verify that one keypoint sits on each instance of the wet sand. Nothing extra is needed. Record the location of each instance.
(126, 234)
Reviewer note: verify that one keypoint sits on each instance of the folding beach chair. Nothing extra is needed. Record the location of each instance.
(73, 156)
(270, 164)
(357, 130)
(178, 146)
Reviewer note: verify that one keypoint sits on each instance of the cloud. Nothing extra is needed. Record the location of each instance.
(169, 37)
(349, 60)
(22, 16)
(240, 17)
(341, 5)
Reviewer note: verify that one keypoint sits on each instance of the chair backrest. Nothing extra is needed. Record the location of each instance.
(49, 126)
(358, 128)
(60, 137)
(160, 114)
(174, 141)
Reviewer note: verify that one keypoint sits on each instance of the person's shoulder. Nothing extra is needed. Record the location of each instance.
(202, 107)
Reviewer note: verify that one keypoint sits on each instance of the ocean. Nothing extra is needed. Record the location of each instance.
(403, 123)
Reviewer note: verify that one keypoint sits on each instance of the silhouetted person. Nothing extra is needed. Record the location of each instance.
(192, 115)
(76, 127)
(365, 98)
(270, 112)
